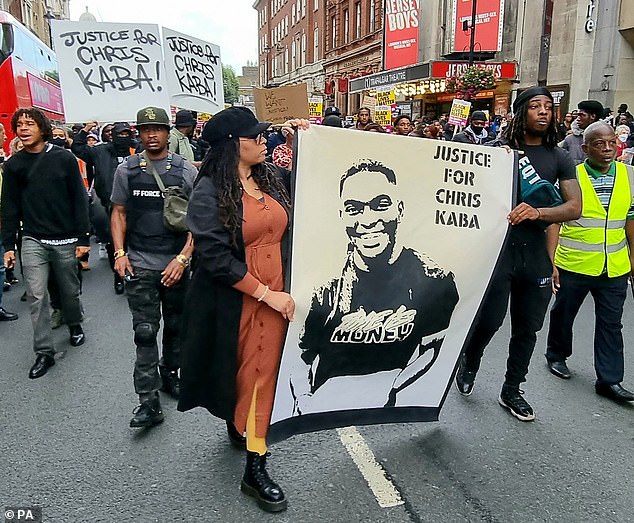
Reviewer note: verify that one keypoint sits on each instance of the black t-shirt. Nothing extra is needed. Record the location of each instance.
(551, 164)
(366, 322)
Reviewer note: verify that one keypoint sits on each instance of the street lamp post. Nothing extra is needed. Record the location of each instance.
(473, 30)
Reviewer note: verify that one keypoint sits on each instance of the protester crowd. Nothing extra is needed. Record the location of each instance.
(218, 277)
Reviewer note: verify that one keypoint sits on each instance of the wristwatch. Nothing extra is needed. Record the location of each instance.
(119, 253)
(183, 260)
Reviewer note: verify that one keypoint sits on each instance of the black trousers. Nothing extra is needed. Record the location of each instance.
(523, 276)
(609, 297)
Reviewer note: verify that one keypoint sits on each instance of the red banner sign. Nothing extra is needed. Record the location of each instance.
(488, 30)
(501, 70)
(45, 95)
(401, 33)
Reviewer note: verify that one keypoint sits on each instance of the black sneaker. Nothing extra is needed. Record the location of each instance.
(512, 399)
(465, 379)
(147, 414)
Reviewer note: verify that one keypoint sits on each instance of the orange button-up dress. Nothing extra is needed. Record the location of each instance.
(262, 329)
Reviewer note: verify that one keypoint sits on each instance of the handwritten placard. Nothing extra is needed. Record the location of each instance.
(194, 72)
(281, 103)
(109, 71)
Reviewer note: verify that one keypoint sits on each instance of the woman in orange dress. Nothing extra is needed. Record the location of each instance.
(237, 311)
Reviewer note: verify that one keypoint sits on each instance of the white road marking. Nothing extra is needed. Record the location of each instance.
(383, 489)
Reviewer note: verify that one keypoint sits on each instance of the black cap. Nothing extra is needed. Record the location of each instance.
(332, 110)
(121, 127)
(184, 118)
(332, 120)
(234, 122)
(531, 92)
(479, 115)
(592, 107)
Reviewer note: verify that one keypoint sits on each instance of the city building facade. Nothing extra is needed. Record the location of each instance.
(36, 14)
(579, 49)
(290, 43)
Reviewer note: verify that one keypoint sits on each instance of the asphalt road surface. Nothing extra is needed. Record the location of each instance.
(65, 444)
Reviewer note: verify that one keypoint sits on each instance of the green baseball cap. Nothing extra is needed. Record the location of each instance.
(152, 116)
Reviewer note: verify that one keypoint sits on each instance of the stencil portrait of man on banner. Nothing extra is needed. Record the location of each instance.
(394, 243)
(368, 331)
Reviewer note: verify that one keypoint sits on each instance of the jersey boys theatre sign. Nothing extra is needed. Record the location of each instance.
(109, 71)
(384, 297)
(401, 25)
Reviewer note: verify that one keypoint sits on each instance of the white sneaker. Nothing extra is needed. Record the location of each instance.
(103, 253)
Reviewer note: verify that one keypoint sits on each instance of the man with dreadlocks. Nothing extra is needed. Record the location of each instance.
(524, 270)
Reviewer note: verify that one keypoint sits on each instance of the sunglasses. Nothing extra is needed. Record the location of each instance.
(265, 135)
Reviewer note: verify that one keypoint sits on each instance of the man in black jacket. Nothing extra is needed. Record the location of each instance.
(106, 158)
(476, 132)
(44, 190)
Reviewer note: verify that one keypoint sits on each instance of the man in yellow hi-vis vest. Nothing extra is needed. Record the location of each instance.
(594, 255)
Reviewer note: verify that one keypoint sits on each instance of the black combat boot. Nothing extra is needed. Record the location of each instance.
(257, 484)
(170, 382)
(147, 414)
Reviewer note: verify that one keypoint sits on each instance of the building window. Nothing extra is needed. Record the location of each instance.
(316, 43)
(303, 48)
(293, 15)
(316, 5)
(333, 25)
(372, 16)
(357, 31)
(293, 56)
(303, 8)
(346, 26)
(286, 61)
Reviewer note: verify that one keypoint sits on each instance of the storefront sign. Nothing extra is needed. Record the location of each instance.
(401, 33)
(446, 69)
(448, 97)
(589, 26)
(501, 104)
(459, 114)
(488, 28)
(409, 74)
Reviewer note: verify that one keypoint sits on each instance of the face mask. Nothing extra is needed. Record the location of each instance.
(623, 137)
(58, 141)
(122, 142)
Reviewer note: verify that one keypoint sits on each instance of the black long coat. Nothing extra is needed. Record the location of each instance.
(213, 306)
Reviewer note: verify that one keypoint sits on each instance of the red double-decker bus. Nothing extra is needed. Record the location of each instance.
(28, 74)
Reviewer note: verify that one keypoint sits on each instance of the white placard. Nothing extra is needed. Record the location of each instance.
(108, 71)
(194, 72)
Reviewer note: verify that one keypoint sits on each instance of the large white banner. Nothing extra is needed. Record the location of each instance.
(394, 242)
(194, 72)
(108, 71)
